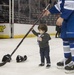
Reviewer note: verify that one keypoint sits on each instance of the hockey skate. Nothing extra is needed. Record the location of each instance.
(42, 64)
(69, 68)
(63, 63)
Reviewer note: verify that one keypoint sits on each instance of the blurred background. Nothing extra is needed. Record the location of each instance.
(13, 12)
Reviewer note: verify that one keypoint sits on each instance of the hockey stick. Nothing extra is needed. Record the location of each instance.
(3, 63)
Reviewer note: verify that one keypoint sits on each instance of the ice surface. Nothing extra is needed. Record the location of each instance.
(30, 48)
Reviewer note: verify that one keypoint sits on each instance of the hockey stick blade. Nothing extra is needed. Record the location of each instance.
(3, 63)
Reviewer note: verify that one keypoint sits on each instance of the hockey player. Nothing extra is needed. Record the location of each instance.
(66, 21)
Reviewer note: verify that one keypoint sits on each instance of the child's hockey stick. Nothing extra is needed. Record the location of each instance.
(3, 63)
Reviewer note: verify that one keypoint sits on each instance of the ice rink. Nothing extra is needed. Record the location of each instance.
(30, 48)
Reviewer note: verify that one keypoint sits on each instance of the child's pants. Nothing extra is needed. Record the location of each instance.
(44, 53)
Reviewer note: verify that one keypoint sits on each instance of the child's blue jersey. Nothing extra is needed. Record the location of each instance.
(66, 10)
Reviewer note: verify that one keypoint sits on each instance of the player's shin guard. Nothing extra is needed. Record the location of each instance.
(67, 55)
(70, 67)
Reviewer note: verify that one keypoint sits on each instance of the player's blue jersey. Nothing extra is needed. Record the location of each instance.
(66, 10)
(64, 7)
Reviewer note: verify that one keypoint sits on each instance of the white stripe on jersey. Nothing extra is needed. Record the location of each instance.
(69, 4)
(57, 6)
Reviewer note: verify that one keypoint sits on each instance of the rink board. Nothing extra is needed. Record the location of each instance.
(5, 30)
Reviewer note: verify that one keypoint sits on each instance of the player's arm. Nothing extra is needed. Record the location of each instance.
(66, 10)
(66, 14)
(54, 10)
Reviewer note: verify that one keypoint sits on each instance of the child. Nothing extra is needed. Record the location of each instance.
(43, 38)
